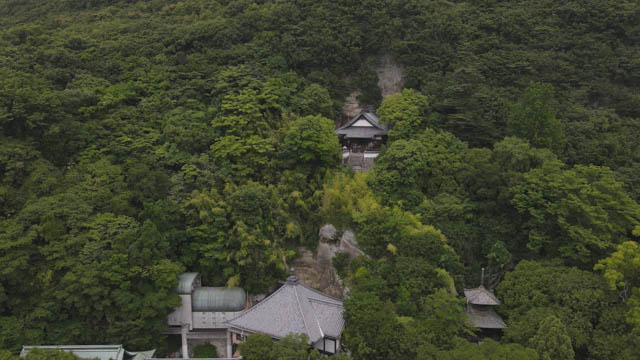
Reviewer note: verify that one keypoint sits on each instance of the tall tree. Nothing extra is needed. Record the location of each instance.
(534, 119)
(552, 342)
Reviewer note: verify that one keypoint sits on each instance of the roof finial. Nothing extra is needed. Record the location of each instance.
(292, 279)
(482, 278)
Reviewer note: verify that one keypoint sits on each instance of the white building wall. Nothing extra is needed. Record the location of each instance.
(362, 123)
(212, 320)
(182, 314)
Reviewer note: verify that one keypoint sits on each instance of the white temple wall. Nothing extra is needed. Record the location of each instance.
(212, 320)
(182, 314)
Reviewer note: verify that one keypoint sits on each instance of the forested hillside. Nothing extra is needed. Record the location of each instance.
(140, 139)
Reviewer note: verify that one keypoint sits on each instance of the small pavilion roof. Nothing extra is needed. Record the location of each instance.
(354, 129)
(293, 309)
(484, 318)
(481, 296)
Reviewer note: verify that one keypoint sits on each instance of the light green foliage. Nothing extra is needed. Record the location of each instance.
(407, 114)
(237, 238)
(345, 197)
(622, 268)
(551, 340)
(310, 142)
(7, 355)
(382, 226)
(578, 214)
(622, 271)
(424, 165)
(534, 119)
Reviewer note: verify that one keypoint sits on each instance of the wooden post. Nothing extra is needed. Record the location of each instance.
(229, 340)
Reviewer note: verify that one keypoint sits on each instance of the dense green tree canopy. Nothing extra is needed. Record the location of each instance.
(551, 340)
(139, 139)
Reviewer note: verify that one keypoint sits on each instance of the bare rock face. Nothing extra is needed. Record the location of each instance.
(390, 78)
(390, 81)
(328, 233)
(351, 106)
(349, 245)
(317, 273)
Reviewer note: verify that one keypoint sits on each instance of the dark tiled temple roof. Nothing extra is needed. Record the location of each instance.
(293, 308)
(362, 132)
(481, 296)
(484, 317)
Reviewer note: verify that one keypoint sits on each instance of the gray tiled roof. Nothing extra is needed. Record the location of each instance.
(484, 318)
(293, 308)
(329, 316)
(360, 132)
(481, 296)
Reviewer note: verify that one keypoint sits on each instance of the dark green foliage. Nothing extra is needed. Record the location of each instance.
(551, 340)
(142, 138)
(535, 291)
(50, 354)
(340, 263)
(578, 214)
(425, 165)
(291, 347)
(374, 331)
(487, 350)
(205, 351)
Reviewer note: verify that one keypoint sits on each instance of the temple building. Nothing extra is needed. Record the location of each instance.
(223, 317)
(361, 139)
(201, 317)
(294, 309)
(480, 310)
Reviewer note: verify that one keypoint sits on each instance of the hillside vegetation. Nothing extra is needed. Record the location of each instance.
(140, 139)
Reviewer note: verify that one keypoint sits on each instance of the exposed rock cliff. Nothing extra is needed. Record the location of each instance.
(318, 271)
(390, 81)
